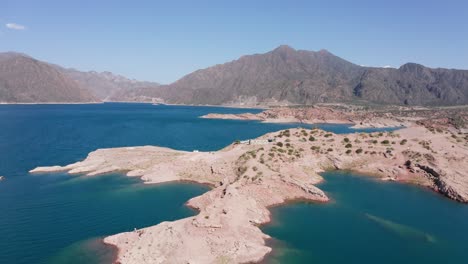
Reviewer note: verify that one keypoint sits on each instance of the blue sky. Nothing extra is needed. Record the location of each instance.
(164, 40)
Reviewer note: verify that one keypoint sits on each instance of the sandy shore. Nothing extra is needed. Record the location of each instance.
(248, 179)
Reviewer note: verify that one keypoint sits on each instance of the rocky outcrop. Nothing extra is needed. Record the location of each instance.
(318, 115)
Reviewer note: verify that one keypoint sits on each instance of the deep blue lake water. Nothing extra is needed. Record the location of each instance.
(369, 221)
(58, 218)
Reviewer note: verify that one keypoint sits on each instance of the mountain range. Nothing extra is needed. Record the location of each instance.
(24, 79)
(283, 76)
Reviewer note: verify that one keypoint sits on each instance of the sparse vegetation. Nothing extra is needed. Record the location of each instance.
(349, 145)
(315, 148)
(286, 133)
(241, 170)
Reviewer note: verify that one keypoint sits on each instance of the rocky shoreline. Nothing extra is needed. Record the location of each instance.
(317, 115)
(248, 179)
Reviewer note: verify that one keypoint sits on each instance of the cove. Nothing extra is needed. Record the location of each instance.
(369, 221)
(53, 218)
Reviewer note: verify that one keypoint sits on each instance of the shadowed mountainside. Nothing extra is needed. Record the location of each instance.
(283, 76)
(289, 76)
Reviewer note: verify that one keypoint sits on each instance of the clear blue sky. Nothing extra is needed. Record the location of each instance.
(162, 41)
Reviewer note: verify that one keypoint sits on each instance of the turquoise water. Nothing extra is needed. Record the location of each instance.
(58, 218)
(369, 221)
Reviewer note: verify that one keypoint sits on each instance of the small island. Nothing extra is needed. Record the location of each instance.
(248, 177)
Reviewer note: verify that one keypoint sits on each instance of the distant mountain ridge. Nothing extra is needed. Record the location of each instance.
(24, 79)
(289, 76)
(106, 85)
(283, 76)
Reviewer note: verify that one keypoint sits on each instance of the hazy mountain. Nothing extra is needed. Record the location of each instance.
(286, 75)
(26, 80)
(105, 85)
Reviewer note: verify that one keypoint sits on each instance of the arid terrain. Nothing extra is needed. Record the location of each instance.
(249, 177)
(358, 116)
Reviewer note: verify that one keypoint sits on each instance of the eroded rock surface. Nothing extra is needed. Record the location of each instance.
(246, 179)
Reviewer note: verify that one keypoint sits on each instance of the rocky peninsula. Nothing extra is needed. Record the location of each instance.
(357, 116)
(249, 177)
(333, 114)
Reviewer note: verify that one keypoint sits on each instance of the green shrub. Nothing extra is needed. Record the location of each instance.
(403, 142)
(349, 145)
(348, 151)
(385, 142)
(241, 170)
(346, 140)
(311, 138)
(279, 144)
(316, 148)
(359, 150)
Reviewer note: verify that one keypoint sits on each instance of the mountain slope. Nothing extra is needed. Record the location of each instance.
(290, 76)
(105, 85)
(414, 84)
(26, 80)
(282, 76)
